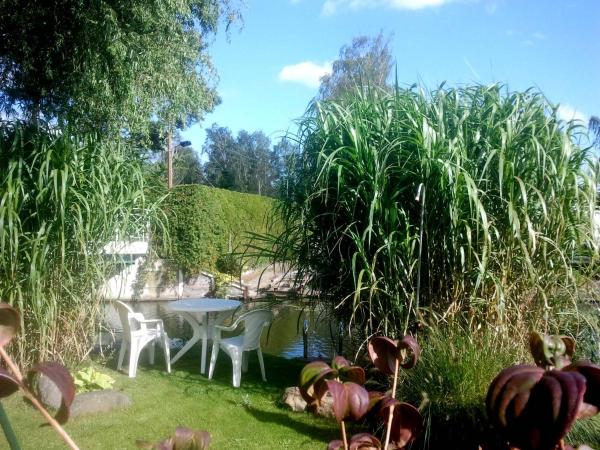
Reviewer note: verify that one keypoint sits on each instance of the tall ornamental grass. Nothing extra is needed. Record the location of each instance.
(508, 193)
(62, 198)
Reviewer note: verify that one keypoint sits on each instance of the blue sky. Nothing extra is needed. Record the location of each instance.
(269, 69)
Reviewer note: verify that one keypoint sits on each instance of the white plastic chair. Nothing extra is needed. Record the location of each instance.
(238, 346)
(137, 332)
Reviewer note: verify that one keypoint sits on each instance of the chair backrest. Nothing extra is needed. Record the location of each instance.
(127, 316)
(254, 322)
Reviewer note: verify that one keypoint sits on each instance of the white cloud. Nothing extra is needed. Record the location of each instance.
(333, 6)
(538, 35)
(568, 112)
(307, 73)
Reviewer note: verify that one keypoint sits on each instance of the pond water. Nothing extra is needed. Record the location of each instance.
(284, 338)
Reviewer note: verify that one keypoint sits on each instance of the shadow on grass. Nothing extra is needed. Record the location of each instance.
(311, 431)
(280, 372)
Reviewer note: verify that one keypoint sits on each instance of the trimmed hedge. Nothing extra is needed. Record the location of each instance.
(202, 220)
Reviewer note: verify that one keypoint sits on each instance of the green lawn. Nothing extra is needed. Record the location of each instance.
(249, 417)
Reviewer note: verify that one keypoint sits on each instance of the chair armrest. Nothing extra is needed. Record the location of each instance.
(150, 321)
(231, 327)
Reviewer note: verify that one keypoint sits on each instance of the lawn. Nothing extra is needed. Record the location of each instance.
(249, 417)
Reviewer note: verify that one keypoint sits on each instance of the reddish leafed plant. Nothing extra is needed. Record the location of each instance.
(351, 401)
(534, 407)
(12, 380)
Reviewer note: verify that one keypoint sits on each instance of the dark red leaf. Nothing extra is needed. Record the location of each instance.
(383, 352)
(311, 384)
(9, 323)
(409, 352)
(340, 399)
(358, 400)
(8, 384)
(591, 372)
(60, 376)
(350, 400)
(364, 441)
(407, 424)
(338, 362)
(335, 445)
(385, 403)
(355, 374)
(499, 383)
(551, 350)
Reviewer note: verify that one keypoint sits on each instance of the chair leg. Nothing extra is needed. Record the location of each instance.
(245, 356)
(213, 359)
(122, 354)
(262, 364)
(237, 369)
(167, 350)
(134, 355)
(151, 351)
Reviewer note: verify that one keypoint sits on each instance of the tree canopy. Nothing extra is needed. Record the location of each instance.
(109, 65)
(366, 61)
(245, 163)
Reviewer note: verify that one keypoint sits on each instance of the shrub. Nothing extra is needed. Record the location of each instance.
(206, 223)
(506, 192)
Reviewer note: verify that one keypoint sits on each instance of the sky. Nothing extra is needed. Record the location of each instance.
(269, 68)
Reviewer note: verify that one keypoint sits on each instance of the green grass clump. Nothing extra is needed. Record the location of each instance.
(451, 380)
(248, 417)
(453, 375)
(207, 223)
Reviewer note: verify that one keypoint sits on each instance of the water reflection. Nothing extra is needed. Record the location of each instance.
(283, 339)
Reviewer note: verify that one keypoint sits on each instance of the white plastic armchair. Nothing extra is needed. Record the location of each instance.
(238, 346)
(137, 333)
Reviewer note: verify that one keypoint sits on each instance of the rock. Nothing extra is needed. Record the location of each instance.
(292, 398)
(99, 402)
(86, 403)
(48, 393)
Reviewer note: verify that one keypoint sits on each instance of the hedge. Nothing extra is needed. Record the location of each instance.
(202, 220)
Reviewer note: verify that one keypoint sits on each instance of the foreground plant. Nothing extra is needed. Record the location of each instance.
(534, 407)
(13, 380)
(183, 439)
(352, 401)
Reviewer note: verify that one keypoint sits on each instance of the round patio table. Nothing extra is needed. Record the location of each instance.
(204, 331)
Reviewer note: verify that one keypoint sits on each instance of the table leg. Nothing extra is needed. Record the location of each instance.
(199, 333)
(204, 342)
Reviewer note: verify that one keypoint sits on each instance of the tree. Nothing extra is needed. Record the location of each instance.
(367, 61)
(187, 166)
(221, 165)
(245, 163)
(109, 65)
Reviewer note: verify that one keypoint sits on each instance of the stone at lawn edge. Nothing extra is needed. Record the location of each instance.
(292, 398)
(85, 403)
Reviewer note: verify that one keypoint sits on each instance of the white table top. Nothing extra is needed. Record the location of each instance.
(204, 305)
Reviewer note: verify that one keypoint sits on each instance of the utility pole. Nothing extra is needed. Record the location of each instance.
(170, 151)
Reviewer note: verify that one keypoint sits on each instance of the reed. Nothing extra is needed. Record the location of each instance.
(509, 196)
(62, 198)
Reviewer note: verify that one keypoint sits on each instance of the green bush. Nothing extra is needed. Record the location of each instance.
(205, 224)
